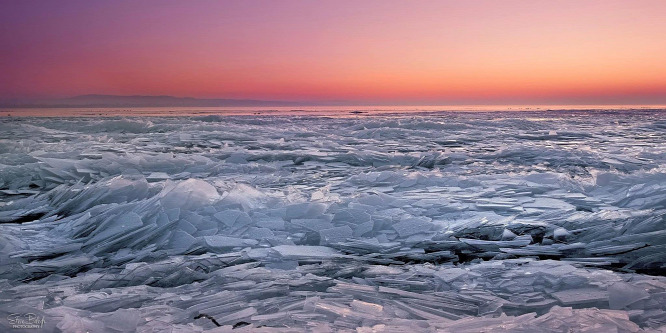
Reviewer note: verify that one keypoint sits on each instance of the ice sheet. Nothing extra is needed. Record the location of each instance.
(460, 222)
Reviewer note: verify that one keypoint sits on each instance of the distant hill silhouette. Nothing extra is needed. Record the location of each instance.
(102, 101)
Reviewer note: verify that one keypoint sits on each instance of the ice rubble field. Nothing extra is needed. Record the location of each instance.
(451, 222)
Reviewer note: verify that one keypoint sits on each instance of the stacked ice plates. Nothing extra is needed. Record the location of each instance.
(453, 222)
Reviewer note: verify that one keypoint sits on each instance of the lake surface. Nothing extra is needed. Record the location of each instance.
(339, 111)
(418, 219)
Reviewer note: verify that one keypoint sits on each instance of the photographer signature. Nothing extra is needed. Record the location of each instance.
(25, 320)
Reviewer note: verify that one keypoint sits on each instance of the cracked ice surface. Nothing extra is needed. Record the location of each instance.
(453, 222)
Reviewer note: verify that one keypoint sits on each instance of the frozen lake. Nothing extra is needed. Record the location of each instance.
(339, 221)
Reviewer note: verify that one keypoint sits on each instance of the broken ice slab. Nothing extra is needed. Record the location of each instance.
(582, 296)
(306, 210)
(367, 307)
(188, 194)
(508, 235)
(157, 176)
(237, 158)
(519, 241)
(363, 228)
(449, 274)
(306, 252)
(68, 264)
(497, 205)
(181, 241)
(236, 317)
(259, 233)
(334, 235)
(111, 228)
(105, 302)
(274, 223)
(312, 224)
(561, 233)
(232, 218)
(219, 242)
(356, 216)
(592, 261)
(533, 250)
(409, 226)
(369, 245)
(549, 203)
(610, 249)
(379, 270)
(623, 294)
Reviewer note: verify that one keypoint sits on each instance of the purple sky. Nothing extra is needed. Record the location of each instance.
(471, 52)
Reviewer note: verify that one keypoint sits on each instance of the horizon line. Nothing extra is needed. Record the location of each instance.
(139, 100)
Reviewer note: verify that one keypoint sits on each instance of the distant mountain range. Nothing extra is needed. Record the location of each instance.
(103, 101)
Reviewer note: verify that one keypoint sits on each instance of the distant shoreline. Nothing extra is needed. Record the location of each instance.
(118, 101)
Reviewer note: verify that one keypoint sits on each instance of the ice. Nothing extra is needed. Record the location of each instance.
(508, 235)
(452, 222)
(111, 228)
(272, 224)
(123, 320)
(304, 211)
(334, 235)
(294, 252)
(357, 216)
(220, 242)
(370, 308)
(549, 203)
(312, 224)
(560, 233)
(623, 294)
(363, 228)
(581, 296)
(189, 194)
(232, 217)
(181, 241)
(157, 176)
(411, 226)
(449, 274)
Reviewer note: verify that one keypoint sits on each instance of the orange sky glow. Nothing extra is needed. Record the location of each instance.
(416, 52)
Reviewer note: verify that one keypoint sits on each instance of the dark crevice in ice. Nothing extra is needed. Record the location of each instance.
(240, 324)
(203, 315)
(24, 218)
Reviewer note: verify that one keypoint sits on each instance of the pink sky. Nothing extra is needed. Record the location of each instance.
(415, 52)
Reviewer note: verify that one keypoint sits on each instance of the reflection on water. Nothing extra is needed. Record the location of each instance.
(330, 111)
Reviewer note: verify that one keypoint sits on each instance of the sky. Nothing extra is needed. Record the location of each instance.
(351, 51)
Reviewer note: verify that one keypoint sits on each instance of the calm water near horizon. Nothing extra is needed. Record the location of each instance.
(300, 110)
